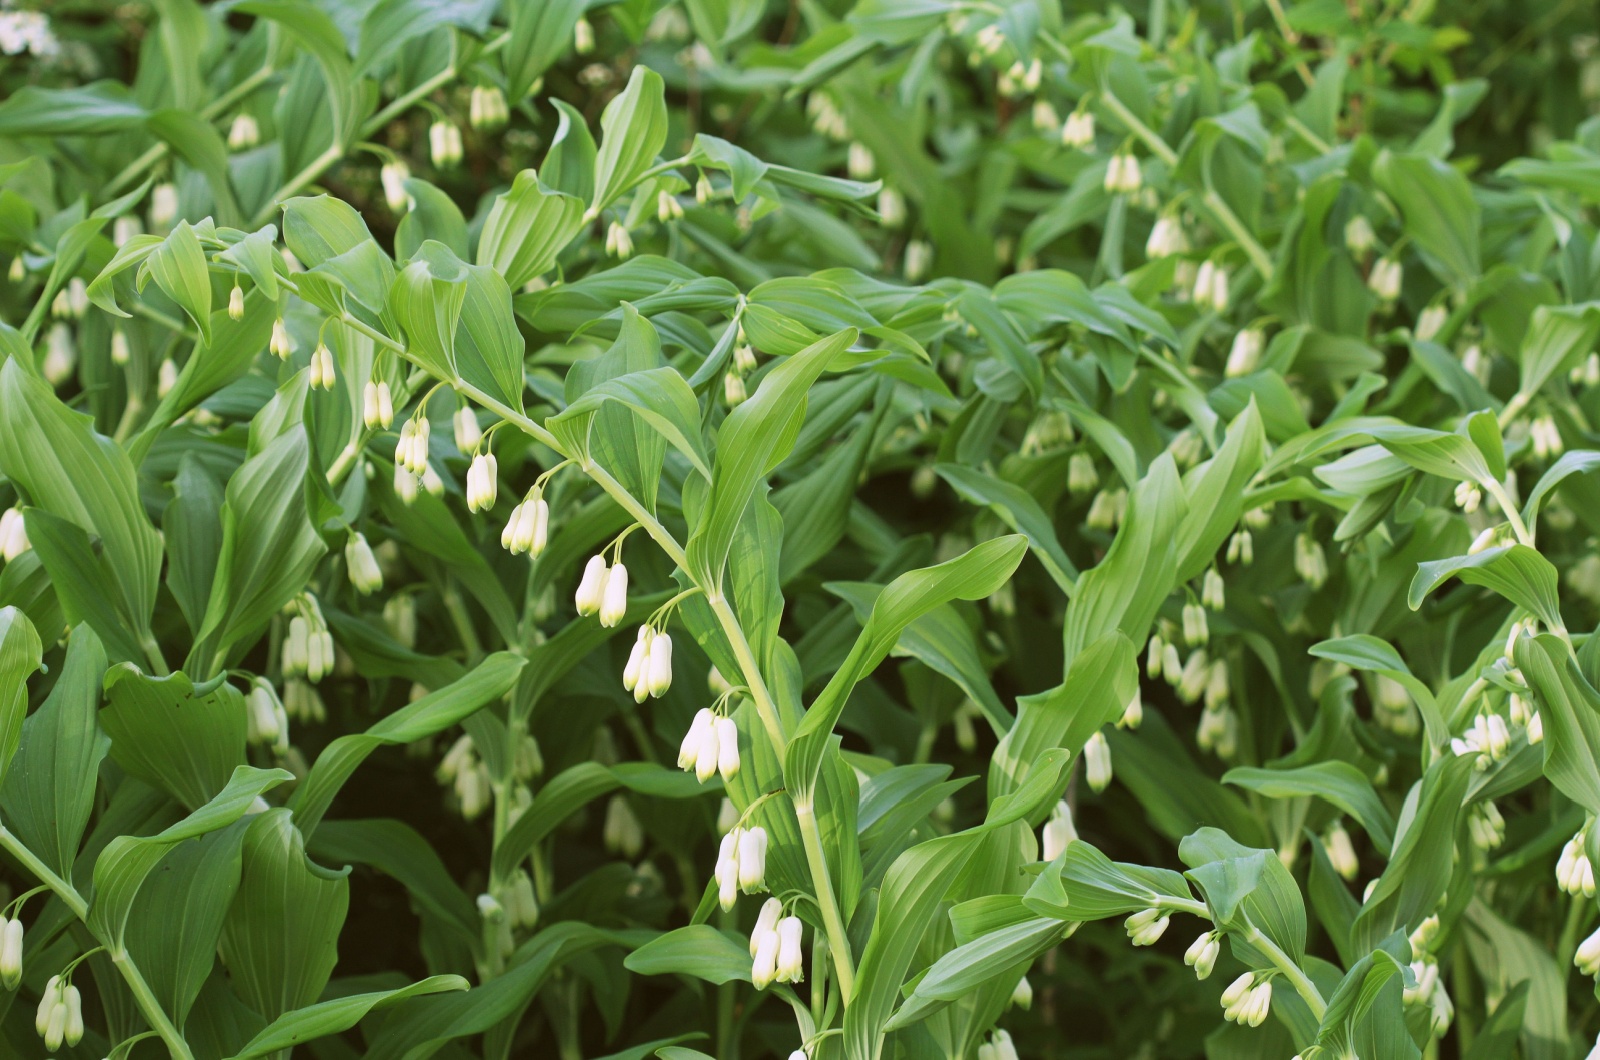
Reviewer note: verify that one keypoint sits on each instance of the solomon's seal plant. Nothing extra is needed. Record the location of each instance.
(1008, 515)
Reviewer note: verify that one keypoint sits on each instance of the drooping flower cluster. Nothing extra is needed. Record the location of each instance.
(308, 646)
(1248, 1000)
(741, 864)
(60, 1017)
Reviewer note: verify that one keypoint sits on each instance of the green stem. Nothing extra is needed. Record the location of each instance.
(1291, 971)
(838, 941)
(222, 103)
(313, 170)
(1518, 527)
(1228, 219)
(148, 1005)
(1150, 138)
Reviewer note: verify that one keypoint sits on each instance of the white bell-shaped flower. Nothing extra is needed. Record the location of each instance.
(1202, 954)
(1097, 761)
(614, 597)
(753, 859)
(727, 748)
(362, 565)
(764, 956)
(592, 586)
(689, 749)
(791, 957)
(659, 672)
(726, 872)
(11, 953)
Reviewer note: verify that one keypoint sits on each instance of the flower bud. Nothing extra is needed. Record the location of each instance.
(74, 1018)
(1245, 354)
(321, 373)
(659, 674)
(1166, 239)
(891, 208)
(709, 754)
(764, 956)
(166, 377)
(790, 957)
(122, 230)
(733, 390)
(244, 133)
(1078, 130)
(619, 244)
(919, 260)
(61, 355)
(362, 565)
(583, 37)
(1359, 237)
(280, 344)
(727, 748)
(444, 144)
(163, 205)
(1587, 959)
(1059, 832)
(614, 597)
(752, 859)
(487, 109)
(726, 872)
(689, 749)
(1146, 927)
(592, 586)
(482, 482)
(622, 833)
(236, 303)
(393, 177)
(10, 953)
(1097, 762)
(1341, 852)
(468, 433)
(1385, 279)
(1202, 954)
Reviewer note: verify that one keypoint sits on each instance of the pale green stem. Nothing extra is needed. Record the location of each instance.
(217, 106)
(1291, 971)
(313, 170)
(1514, 517)
(148, 1005)
(838, 941)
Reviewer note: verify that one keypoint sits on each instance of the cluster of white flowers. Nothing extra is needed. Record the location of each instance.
(1078, 130)
(619, 243)
(1081, 474)
(463, 769)
(13, 534)
(1241, 548)
(528, 528)
(1123, 176)
(1310, 563)
(1546, 437)
(1196, 630)
(1488, 740)
(377, 405)
(710, 746)
(393, 176)
(1146, 927)
(487, 109)
(1167, 238)
(1385, 279)
(603, 590)
(1211, 287)
(998, 1047)
(775, 949)
(308, 647)
(1485, 826)
(302, 702)
(741, 864)
(1203, 952)
(826, 117)
(60, 1016)
(1107, 510)
(411, 452)
(648, 673)
(1574, 873)
(1430, 993)
(244, 133)
(1248, 1000)
(1468, 497)
(444, 144)
(322, 368)
(27, 31)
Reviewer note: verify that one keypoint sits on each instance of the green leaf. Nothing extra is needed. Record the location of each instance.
(1570, 710)
(67, 469)
(20, 656)
(338, 1015)
(1084, 884)
(179, 268)
(753, 441)
(633, 128)
(128, 860)
(528, 226)
(541, 31)
(281, 938)
(1017, 508)
(92, 110)
(1216, 494)
(972, 576)
(1516, 572)
(78, 574)
(398, 850)
(1439, 209)
(184, 740)
(659, 396)
(1338, 783)
(699, 950)
(489, 348)
(49, 793)
(427, 300)
(431, 214)
(970, 966)
(433, 713)
(1366, 652)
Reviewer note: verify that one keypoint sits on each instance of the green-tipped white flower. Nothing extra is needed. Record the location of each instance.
(487, 109)
(791, 956)
(1195, 628)
(1133, 712)
(859, 161)
(377, 406)
(483, 481)
(1211, 287)
(521, 904)
(1359, 238)
(668, 208)
(583, 36)
(322, 368)
(1431, 321)
(528, 529)
(1241, 548)
(657, 676)
(1081, 474)
(1468, 496)
(60, 354)
(166, 377)
(1202, 954)
(1213, 594)
(1097, 762)
(592, 586)
(1156, 648)
(244, 133)
(280, 344)
(1106, 510)
(1341, 851)
(1123, 176)
(1546, 438)
(919, 260)
(393, 177)
(444, 144)
(614, 596)
(891, 208)
(764, 952)
(619, 244)
(1046, 121)
(236, 303)
(163, 205)
(1574, 873)
(1587, 959)
(726, 872)
(1309, 561)
(73, 1002)
(1385, 279)
(365, 574)
(467, 432)
(733, 389)
(703, 191)
(622, 833)
(752, 859)
(767, 924)
(10, 953)
(727, 748)
(1245, 354)
(1146, 927)
(266, 719)
(1166, 239)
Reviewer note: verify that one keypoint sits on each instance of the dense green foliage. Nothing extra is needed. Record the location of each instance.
(897, 530)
